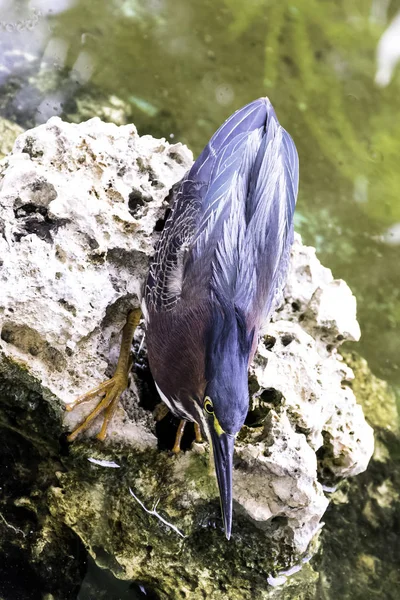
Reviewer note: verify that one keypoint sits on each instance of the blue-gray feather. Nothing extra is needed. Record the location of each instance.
(231, 223)
(217, 272)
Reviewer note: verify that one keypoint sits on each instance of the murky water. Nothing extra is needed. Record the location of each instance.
(178, 69)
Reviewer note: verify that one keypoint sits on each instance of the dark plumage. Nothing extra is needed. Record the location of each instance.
(218, 270)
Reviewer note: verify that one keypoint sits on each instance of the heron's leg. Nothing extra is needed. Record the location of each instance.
(113, 388)
(181, 428)
(197, 433)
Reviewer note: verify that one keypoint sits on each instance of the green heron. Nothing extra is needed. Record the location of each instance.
(217, 273)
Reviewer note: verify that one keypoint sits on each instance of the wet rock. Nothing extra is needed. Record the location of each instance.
(81, 207)
(361, 523)
(31, 541)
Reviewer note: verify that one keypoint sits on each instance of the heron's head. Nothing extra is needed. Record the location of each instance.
(224, 412)
(226, 400)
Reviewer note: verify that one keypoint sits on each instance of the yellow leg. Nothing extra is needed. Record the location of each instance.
(197, 433)
(181, 428)
(113, 388)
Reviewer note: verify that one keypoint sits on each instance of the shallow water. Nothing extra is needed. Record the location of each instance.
(178, 69)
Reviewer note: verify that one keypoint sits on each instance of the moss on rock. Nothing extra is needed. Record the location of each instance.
(360, 550)
(96, 503)
(8, 134)
(375, 395)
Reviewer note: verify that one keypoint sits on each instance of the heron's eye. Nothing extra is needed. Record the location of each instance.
(208, 406)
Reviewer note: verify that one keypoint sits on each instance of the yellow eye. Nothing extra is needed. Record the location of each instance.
(208, 406)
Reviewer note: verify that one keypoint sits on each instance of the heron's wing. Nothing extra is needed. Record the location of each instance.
(244, 237)
(164, 281)
(225, 166)
(230, 226)
(199, 205)
(259, 270)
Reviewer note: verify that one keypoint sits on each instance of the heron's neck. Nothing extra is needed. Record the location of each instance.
(227, 370)
(228, 344)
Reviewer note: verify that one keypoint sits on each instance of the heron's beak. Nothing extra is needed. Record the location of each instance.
(223, 445)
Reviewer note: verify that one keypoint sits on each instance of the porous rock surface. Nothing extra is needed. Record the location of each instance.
(79, 210)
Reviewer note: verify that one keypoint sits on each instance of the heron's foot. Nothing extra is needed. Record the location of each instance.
(161, 411)
(179, 434)
(112, 388)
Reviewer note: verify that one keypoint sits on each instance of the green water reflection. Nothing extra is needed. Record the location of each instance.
(180, 68)
(192, 63)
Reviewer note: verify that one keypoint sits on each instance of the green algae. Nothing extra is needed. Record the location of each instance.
(74, 498)
(199, 473)
(32, 543)
(375, 396)
(95, 502)
(8, 134)
(26, 407)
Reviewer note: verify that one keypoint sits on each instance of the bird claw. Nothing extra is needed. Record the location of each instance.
(112, 388)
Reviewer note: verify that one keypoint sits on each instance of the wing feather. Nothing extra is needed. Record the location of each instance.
(230, 227)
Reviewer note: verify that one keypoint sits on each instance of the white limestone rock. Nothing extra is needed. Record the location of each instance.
(78, 207)
(275, 476)
(76, 230)
(316, 396)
